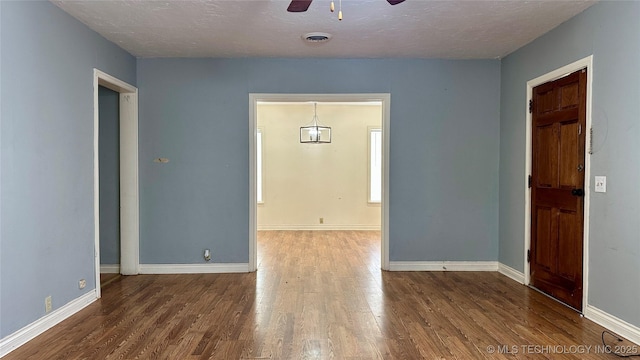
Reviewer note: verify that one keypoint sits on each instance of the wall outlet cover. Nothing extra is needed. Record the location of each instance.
(47, 304)
(601, 184)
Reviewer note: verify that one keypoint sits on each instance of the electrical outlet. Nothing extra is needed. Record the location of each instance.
(207, 254)
(82, 283)
(321, 220)
(47, 304)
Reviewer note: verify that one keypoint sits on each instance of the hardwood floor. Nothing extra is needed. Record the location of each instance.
(319, 295)
(106, 279)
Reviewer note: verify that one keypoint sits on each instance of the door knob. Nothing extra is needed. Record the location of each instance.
(577, 192)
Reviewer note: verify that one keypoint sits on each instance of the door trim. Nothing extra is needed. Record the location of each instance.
(587, 63)
(384, 98)
(129, 195)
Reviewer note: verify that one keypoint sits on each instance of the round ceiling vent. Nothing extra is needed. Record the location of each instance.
(316, 37)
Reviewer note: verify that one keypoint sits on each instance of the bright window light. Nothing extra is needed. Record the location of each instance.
(259, 165)
(375, 165)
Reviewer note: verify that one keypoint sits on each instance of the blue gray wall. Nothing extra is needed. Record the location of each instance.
(47, 156)
(457, 128)
(611, 32)
(109, 110)
(444, 151)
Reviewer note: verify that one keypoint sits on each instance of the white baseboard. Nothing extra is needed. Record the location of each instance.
(443, 266)
(194, 268)
(319, 227)
(511, 273)
(109, 268)
(616, 325)
(27, 333)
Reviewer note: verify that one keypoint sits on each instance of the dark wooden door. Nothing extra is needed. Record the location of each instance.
(557, 183)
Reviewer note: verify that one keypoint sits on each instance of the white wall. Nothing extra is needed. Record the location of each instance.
(305, 182)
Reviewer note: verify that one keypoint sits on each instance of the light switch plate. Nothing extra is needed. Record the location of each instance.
(601, 184)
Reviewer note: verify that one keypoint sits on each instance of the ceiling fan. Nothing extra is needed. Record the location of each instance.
(303, 5)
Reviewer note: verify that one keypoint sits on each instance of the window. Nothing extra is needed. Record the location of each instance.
(259, 166)
(375, 165)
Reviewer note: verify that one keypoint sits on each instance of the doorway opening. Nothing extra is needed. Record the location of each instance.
(109, 153)
(256, 136)
(557, 197)
(128, 174)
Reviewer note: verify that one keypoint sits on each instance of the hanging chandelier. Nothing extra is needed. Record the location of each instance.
(314, 133)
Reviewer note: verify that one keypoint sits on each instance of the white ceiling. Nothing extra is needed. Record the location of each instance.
(472, 29)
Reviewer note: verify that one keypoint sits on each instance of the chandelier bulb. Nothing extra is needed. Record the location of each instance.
(340, 15)
(332, 7)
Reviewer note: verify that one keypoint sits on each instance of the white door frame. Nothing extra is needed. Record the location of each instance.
(553, 75)
(129, 197)
(384, 98)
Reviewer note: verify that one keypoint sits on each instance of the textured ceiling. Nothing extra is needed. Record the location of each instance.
(456, 29)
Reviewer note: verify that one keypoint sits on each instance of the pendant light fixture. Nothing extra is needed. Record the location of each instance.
(314, 133)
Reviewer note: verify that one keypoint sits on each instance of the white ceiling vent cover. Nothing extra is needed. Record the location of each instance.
(316, 37)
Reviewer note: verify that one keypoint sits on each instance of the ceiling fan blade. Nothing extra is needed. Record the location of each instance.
(301, 5)
(395, 2)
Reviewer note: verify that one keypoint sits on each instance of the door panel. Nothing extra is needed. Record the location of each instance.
(569, 155)
(568, 95)
(557, 216)
(545, 243)
(547, 158)
(545, 100)
(568, 241)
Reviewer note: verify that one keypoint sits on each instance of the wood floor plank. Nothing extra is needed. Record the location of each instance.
(317, 295)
